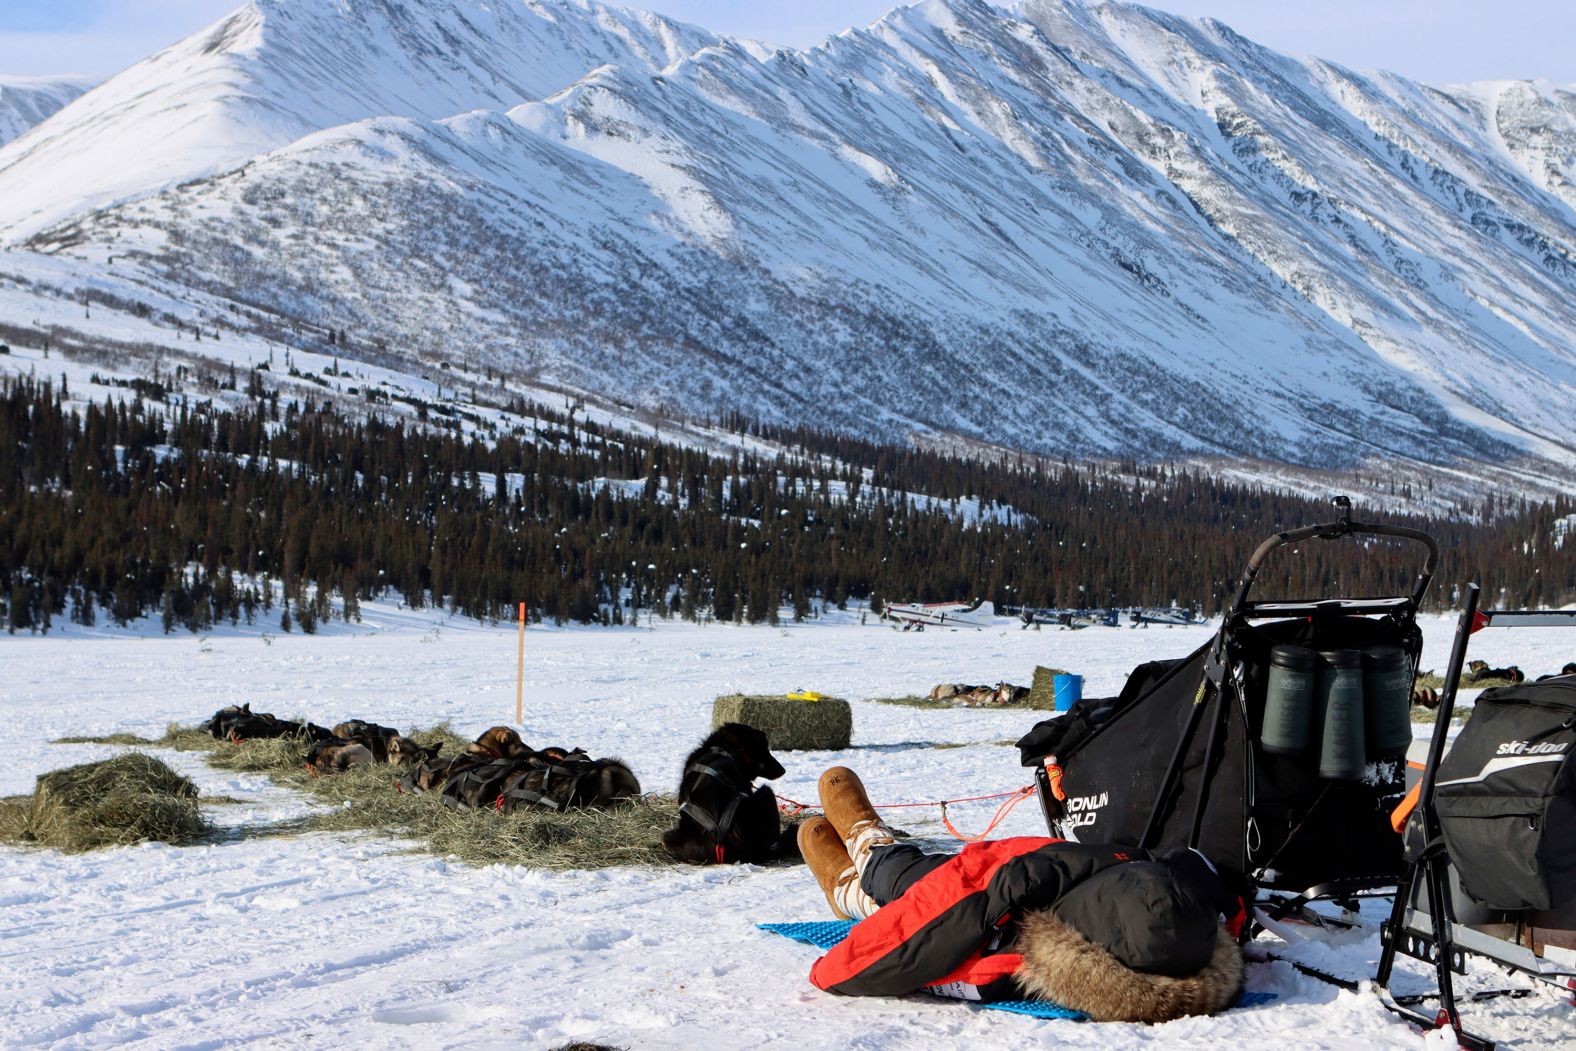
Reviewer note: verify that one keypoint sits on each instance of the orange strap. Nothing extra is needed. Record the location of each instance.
(1408, 804)
(1053, 774)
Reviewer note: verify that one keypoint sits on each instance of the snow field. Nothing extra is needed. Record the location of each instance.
(350, 938)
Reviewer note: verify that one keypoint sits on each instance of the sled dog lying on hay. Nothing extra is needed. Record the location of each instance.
(500, 770)
(239, 723)
(386, 744)
(1478, 671)
(723, 817)
(565, 784)
(1003, 693)
(500, 742)
(339, 753)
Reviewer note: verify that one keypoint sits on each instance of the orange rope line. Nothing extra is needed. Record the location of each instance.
(1001, 815)
(793, 808)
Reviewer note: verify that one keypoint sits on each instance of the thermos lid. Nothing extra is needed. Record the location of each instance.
(1342, 658)
(1295, 658)
(1385, 658)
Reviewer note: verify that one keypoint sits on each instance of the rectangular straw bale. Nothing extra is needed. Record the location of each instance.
(790, 726)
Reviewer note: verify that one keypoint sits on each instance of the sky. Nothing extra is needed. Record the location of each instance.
(1435, 41)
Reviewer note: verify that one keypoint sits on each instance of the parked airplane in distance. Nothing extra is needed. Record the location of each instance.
(920, 615)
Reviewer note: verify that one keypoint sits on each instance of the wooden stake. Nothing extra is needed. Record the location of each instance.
(519, 686)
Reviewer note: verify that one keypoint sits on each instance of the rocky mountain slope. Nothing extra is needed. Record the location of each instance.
(1086, 229)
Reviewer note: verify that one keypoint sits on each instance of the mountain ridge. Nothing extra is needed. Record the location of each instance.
(26, 102)
(1097, 230)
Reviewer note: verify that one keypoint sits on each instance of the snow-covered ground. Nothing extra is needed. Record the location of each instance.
(345, 938)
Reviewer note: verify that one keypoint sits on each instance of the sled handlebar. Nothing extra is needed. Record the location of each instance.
(1342, 527)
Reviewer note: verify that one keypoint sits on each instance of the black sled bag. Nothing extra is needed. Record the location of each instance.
(1506, 797)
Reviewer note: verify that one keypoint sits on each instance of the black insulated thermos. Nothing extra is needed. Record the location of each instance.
(1343, 744)
(1354, 703)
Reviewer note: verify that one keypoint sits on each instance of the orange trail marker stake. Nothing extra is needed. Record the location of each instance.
(519, 685)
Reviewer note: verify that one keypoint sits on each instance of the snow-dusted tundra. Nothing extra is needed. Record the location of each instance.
(351, 940)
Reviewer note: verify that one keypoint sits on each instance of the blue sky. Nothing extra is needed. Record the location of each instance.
(1437, 41)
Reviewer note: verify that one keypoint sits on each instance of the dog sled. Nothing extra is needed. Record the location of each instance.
(1490, 837)
(1200, 752)
(1195, 753)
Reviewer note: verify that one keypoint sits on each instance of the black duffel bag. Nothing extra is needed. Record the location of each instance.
(1506, 797)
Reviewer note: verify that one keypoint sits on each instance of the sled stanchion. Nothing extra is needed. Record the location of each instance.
(1428, 883)
(1204, 774)
(519, 682)
(1174, 768)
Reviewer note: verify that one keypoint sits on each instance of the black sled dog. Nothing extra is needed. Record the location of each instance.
(723, 817)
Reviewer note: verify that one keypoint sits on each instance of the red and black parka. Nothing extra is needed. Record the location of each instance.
(951, 932)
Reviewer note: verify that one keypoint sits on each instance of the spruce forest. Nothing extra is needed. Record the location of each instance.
(287, 516)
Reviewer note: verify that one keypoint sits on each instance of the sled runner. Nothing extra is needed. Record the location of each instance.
(1282, 735)
(1491, 839)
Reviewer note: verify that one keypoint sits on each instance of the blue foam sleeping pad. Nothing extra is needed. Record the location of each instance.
(823, 934)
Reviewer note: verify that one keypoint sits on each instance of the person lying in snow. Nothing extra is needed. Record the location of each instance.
(1111, 931)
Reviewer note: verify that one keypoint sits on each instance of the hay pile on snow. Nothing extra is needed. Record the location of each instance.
(13, 818)
(628, 834)
(369, 798)
(1042, 689)
(131, 798)
(789, 726)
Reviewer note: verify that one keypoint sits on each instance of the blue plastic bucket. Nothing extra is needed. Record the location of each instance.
(1068, 689)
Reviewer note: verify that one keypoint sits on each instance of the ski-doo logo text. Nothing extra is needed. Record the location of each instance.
(1527, 748)
(1080, 809)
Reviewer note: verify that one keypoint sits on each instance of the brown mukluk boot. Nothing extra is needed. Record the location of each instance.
(834, 870)
(823, 851)
(848, 809)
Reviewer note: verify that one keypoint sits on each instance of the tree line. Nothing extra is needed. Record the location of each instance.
(205, 514)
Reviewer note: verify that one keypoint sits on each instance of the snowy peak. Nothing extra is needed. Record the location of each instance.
(29, 101)
(960, 220)
(277, 70)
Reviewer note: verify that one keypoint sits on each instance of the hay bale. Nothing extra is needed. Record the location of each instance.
(789, 726)
(1042, 689)
(131, 798)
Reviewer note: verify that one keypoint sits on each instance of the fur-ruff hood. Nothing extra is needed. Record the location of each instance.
(1063, 966)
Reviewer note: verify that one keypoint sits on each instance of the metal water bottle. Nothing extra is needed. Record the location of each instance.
(1387, 689)
(1343, 752)
(1288, 700)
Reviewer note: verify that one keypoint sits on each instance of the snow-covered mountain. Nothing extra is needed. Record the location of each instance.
(1085, 229)
(26, 101)
(277, 70)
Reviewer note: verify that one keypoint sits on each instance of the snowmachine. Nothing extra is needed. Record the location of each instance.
(1491, 834)
(1257, 748)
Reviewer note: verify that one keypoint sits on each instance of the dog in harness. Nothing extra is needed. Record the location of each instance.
(562, 781)
(569, 780)
(238, 723)
(500, 742)
(723, 817)
(336, 755)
